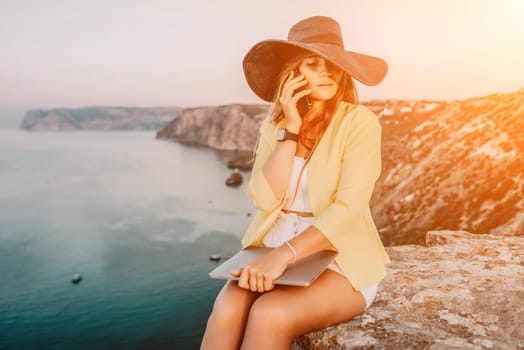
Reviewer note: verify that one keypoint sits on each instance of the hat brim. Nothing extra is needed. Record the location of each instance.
(263, 64)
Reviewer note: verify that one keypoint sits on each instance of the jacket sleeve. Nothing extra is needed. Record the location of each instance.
(361, 165)
(258, 188)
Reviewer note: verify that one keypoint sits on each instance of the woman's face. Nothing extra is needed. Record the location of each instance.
(323, 77)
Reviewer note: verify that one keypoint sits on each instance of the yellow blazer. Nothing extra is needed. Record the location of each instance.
(341, 176)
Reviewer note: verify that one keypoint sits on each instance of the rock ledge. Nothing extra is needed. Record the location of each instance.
(461, 291)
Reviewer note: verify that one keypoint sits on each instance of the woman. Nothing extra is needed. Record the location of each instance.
(316, 163)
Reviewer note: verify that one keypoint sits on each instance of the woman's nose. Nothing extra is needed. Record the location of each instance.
(324, 69)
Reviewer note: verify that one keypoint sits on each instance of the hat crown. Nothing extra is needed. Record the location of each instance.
(317, 29)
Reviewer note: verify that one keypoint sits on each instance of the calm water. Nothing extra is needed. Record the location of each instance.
(135, 216)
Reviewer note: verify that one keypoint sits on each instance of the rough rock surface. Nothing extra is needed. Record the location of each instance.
(454, 165)
(231, 127)
(234, 179)
(461, 291)
(99, 118)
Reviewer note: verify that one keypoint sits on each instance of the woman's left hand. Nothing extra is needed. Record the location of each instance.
(260, 274)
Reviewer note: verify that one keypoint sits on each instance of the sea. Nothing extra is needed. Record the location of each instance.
(137, 218)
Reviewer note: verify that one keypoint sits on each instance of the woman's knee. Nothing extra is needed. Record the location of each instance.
(231, 305)
(270, 315)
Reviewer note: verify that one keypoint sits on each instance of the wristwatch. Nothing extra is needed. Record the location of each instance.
(284, 135)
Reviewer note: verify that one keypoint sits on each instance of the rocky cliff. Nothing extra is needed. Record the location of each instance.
(460, 291)
(230, 127)
(446, 164)
(99, 118)
(451, 165)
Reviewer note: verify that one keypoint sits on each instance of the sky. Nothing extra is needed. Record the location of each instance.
(64, 53)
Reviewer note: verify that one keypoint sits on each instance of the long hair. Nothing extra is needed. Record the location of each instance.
(315, 127)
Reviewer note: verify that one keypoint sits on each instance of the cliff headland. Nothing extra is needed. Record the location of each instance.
(99, 118)
(229, 127)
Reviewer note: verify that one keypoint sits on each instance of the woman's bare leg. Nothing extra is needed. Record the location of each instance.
(286, 312)
(226, 324)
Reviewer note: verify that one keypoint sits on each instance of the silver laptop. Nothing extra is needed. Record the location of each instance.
(301, 273)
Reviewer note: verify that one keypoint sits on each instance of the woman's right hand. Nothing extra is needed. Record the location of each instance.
(290, 97)
(260, 274)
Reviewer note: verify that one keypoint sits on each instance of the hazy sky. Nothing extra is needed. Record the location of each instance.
(64, 53)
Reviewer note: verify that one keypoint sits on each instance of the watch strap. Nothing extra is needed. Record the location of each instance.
(288, 135)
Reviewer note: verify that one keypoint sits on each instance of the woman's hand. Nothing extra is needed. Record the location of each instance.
(260, 274)
(290, 97)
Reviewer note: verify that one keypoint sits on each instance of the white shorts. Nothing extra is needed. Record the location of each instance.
(287, 226)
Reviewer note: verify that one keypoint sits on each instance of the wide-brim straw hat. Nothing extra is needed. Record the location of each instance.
(320, 35)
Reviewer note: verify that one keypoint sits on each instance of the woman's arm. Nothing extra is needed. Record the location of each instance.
(279, 166)
(258, 188)
(260, 275)
(274, 165)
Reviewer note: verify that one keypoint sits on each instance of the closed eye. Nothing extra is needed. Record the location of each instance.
(312, 60)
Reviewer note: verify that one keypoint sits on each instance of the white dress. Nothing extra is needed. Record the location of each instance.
(288, 225)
